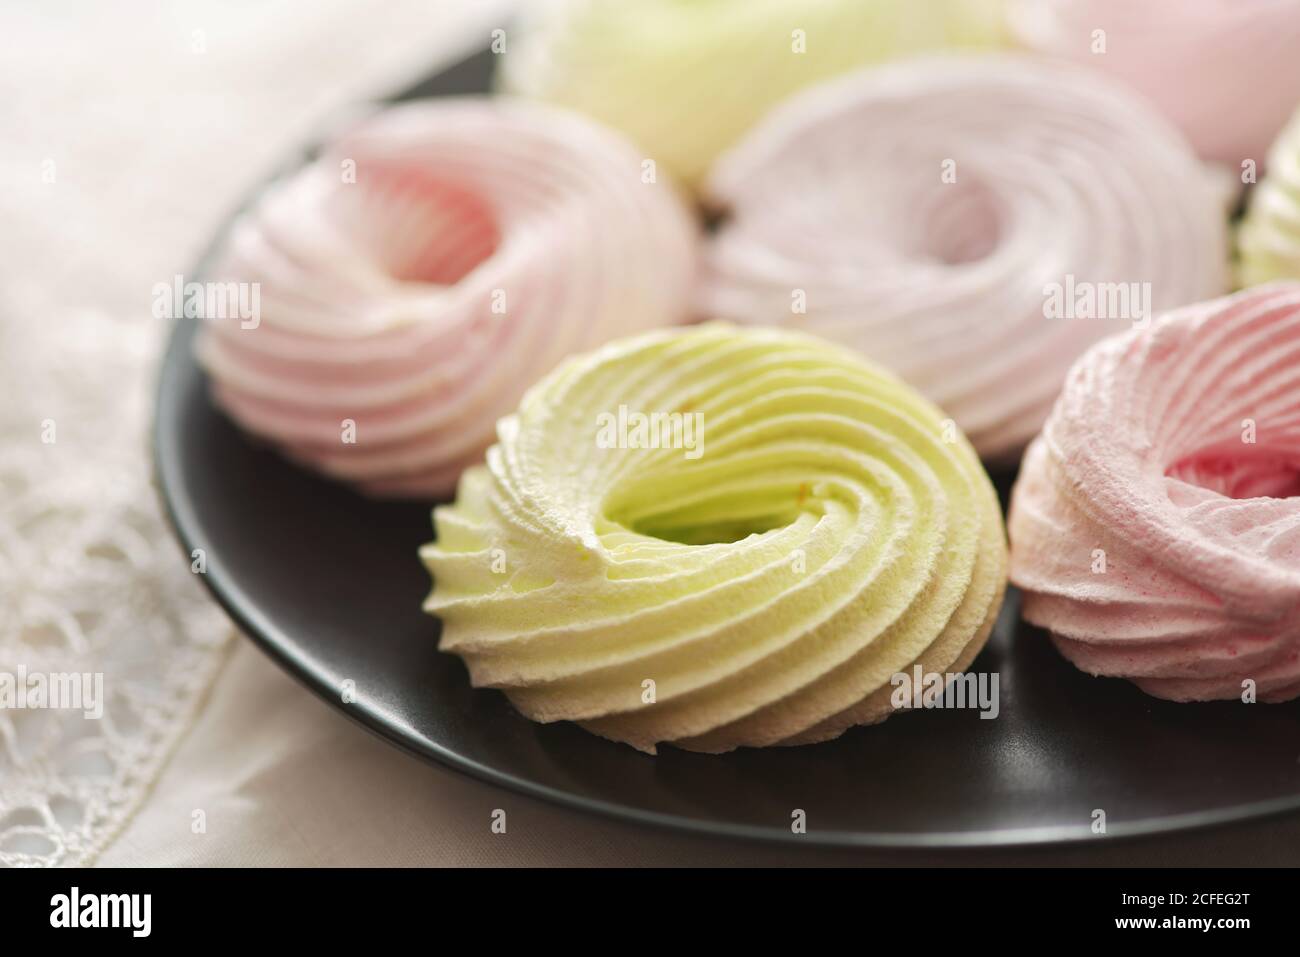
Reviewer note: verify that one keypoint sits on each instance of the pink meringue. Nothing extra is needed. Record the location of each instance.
(1227, 72)
(1155, 526)
(920, 211)
(480, 242)
(686, 80)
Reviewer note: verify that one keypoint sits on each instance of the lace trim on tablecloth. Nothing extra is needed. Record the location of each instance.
(91, 583)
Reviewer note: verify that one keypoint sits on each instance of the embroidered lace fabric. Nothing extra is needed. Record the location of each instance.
(91, 582)
(102, 196)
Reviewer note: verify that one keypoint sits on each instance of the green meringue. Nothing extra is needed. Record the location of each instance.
(758, 582)
(1268, 239)
(685, 80)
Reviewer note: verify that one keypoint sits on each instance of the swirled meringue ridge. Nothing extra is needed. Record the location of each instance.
(685, 80)
(1226, 73)
(1155, 526)
(920, 211)
(436, 260)
(836, 531)
(1268, 237)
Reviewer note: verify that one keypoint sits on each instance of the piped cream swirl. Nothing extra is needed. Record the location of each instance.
(1155, 526)
(1268, 237)
(434, 262)
(686, 80)
(1226, 72)
(835, 531)
(923, 211)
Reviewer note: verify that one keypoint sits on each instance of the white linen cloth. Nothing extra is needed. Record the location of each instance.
(128, 134)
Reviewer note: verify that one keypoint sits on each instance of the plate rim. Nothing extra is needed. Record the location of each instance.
(182, 518)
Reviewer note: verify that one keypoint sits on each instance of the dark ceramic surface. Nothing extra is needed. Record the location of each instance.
(328, 584)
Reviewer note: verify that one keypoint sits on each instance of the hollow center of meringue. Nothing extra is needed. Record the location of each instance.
(713, 533)
(1240, 474)
(961, 224)
(710, 520)
(425, 229)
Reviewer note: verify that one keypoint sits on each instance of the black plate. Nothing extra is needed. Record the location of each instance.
(328, 584)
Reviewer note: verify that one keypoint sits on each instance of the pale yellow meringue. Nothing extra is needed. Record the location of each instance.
(1268, 239)
(686, 80)
(818, 529)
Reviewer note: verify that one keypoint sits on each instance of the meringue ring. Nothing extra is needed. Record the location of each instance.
(1225, 73)
(1155, 526)
(686, 80)
(434, 262)
(946, 216)
(809, 529)
(1268, 237)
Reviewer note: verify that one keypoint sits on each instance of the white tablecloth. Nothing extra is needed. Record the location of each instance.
(284, 779)
(154, 120)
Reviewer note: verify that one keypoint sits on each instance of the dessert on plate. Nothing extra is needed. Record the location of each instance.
(686, 80)
(973, 223)
(1155, 526)
(1226, 72)
(437, 259)
(718, 537)
(1268, 236)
